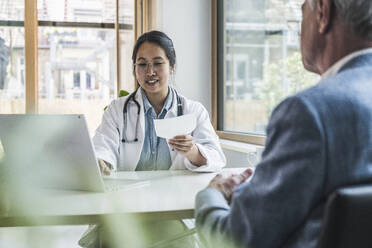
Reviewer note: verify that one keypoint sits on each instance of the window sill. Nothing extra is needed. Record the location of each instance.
(240, 154)
(239, 146)
(242, 138)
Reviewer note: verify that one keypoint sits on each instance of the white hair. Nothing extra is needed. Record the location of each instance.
(357, 14)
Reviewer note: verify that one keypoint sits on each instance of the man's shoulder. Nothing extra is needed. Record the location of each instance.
(315, 100)
(346, 86)
(344, 94)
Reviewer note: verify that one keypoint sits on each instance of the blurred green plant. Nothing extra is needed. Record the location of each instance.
(121, 94)
(4, 188)
(282, 79)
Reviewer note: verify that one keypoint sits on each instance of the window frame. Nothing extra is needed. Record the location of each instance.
(218, 80)
(144, 19)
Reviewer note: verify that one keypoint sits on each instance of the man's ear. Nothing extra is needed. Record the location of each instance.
(324, 15)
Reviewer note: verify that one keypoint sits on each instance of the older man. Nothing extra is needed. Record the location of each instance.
(317, 140)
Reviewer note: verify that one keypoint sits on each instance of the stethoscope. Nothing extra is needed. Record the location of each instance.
(131, 97)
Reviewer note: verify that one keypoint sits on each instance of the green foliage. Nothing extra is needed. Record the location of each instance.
(4, 188)
(282, 79)
(121, 94)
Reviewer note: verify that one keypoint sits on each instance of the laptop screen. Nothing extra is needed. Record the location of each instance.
(50, 151)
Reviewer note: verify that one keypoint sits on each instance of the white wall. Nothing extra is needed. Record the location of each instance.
(188, 24)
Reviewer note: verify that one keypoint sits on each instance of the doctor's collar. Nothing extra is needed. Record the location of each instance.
(167, 104)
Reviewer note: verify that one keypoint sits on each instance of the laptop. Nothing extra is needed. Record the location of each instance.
(54, 151)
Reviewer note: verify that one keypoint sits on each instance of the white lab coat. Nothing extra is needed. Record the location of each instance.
(125, 156)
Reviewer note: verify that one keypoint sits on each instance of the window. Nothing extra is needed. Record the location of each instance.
(76, 80)
(258, 62)
(79, 44)
(77, 55)
(12, 87)
(89, 80)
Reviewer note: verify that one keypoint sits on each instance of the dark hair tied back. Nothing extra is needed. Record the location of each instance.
(160, 39)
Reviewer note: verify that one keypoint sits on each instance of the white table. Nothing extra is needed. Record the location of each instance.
(167, 195)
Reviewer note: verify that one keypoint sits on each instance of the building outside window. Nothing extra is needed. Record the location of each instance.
(76, 56)
(12, 88)
(259, 57)
(77, 64)
(76, 79)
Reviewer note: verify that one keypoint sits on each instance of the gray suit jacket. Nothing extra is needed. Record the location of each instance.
(317, 141)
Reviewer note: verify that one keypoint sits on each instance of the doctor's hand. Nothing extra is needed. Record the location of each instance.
(228, 184)
(184, 145)
(104, 167)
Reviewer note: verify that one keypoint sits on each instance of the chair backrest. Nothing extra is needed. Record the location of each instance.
(348, 218)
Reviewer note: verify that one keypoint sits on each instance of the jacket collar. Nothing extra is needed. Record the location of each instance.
(354, 59)
(359, 61)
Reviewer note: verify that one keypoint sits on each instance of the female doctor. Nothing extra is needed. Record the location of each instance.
(126, 138)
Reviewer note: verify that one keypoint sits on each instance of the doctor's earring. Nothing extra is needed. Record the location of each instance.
(172, 79)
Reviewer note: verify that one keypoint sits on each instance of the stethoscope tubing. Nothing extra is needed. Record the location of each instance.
(125, 114)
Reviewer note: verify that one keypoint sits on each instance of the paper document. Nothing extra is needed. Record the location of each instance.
(170, 127)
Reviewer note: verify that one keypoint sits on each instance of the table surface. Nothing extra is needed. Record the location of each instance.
(163, 195)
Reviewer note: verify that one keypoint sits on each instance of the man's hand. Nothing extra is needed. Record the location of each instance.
(104, 167)
(228, 184)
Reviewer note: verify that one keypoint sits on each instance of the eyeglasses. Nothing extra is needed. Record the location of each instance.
(142, 67)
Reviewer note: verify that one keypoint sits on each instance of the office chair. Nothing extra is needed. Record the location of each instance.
(348, 218)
